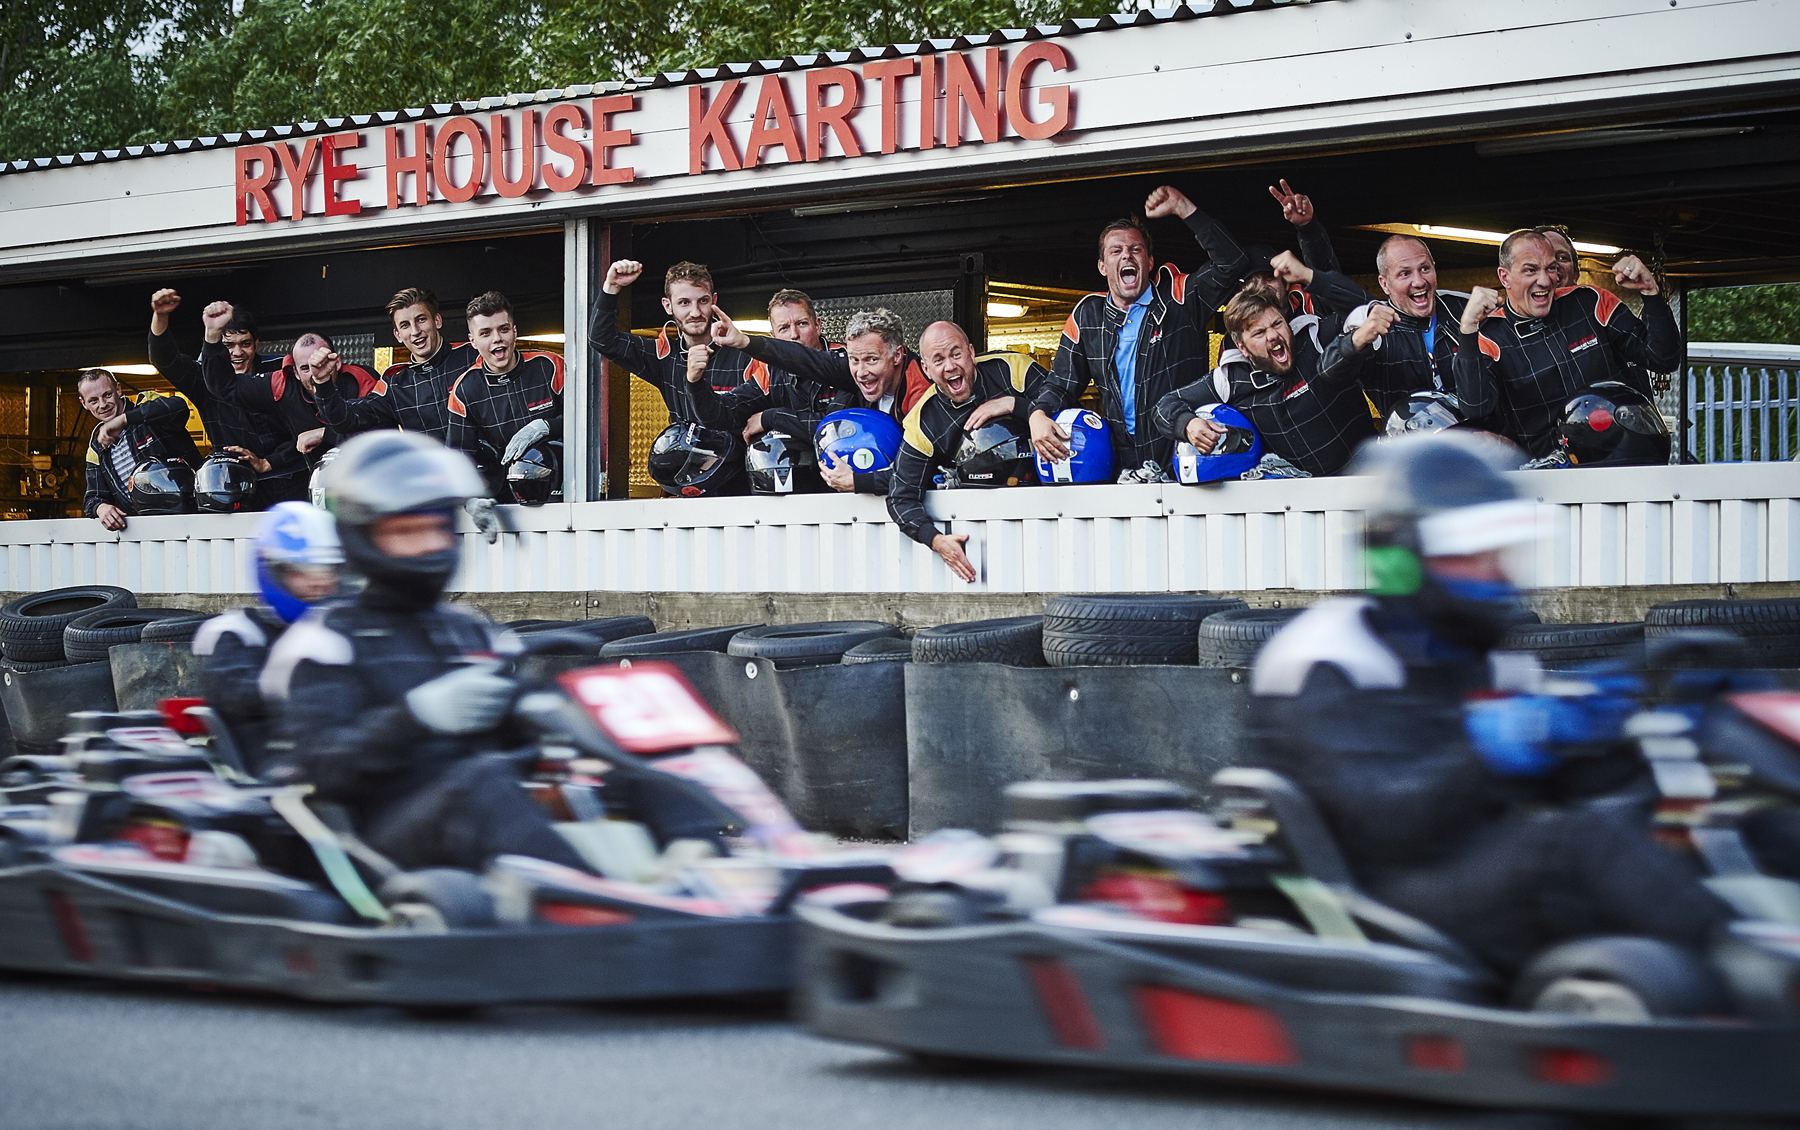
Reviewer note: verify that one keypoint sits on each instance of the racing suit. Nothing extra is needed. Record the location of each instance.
(663, 362)
(1523, 371)
(1331, 295)
(338, 680)
(1360, 702)
(487, 409)
(155, 428)
(231, 423)
(933, 431)
(413, 395)
(1314, 416)
(234, 646)
(1172, 348)
(277, 392)
(1416, 354)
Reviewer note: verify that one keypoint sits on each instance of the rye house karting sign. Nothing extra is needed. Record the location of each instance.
(882, 107)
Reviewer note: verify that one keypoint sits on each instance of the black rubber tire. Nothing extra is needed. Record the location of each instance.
(31, 627)
(561, 643)
(1770, 629)
(887, 649)
(1232, 638)
(456, 895)
(673, 643)
(1577, 643)
(176, 629)
(1119, 630)
(1670, 981)
(515, 625)
(604, 630)
(1017, 641)
(87, 639)
(27, 665)
(806, 645)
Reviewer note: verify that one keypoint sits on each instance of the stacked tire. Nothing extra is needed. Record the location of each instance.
(1233, 637)
(807, 645)
(1562, 645)
(88, 638)
(1768, 629)
(1119, 630)
(32, 627)
(652, 644)
(1017, 641)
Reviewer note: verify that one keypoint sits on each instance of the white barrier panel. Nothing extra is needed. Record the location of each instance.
(1719, 523)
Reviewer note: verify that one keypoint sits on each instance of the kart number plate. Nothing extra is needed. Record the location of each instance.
(647, 708)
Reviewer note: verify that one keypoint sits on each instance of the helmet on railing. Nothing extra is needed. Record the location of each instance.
(316, 484)
(1090, 450)
(1612, 423)
(162, 486)
(1240, 449)
(536, 477)
(297, 553)
(1427, 410)
(224, 484)
(997, 454)
(778, 463)
(868, 438)
(693, 462)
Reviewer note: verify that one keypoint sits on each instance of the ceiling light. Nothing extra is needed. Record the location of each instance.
(132, 370)
(753, 325)
(1005, 310)
(1475, 235)
(557, 339)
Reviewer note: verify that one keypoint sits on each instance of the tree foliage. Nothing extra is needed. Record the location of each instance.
(93, 74)
(1746, 313)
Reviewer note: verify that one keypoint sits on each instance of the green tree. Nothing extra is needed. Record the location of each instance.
(1746, 313)
(69, 80)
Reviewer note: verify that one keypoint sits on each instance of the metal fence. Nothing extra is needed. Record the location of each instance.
(1743, 402)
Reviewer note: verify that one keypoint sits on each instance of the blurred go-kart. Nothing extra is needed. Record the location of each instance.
(1114, 924)
(138, 853)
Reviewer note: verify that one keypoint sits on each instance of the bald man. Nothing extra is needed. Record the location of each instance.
(288, 393)
(966, 392)
(1414, 352)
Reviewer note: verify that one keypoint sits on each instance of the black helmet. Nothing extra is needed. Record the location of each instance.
(535, 477)
(997, 454)
(1613, 423)
(224, 484)
(162, 486)
(779, 463)
(1427, 410)
(380, 474)
(692, 461)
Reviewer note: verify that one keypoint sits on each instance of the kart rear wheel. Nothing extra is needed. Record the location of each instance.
(1622, 980)
(438, 899)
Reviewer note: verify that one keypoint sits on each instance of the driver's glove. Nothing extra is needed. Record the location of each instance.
(481, 512)
(465, 701)
(522, 439)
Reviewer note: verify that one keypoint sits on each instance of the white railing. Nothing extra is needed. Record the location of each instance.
(1743, 401)
(1607, 526)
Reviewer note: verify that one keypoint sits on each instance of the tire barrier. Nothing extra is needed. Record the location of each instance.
(88, 637)
(1562, 645)
(145, 673)
(176, 629)
(1233, 637)
(1017, 641)
(672, 643)
(31, 627)
(887, 649)
(1127, 629)
(806, 645)
(38, 703)
(1770, 629)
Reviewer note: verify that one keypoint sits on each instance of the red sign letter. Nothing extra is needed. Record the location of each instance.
(528, 162)
(298, 170)
(772, 102)
(706, 123)
(334, 173)
(928, 93)
(1055, 97)
(889, 72)
(984, 109)
(563, 145)
(418, 164)
(254, 187)
(834, 117)
(440, 159)
(606, 140)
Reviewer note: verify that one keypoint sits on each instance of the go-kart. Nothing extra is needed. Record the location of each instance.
(1115, 925)
(144, 854)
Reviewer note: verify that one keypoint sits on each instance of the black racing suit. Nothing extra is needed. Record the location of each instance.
(1172, 347)
(234, 646)
(230, 423)
(1360, 702)
(1314, 415)
(933, 431)
(278, 393)
(339, 678)
(663, 361)
(413, 396)
(1398, 364)
(487, 409)
(155, 428)
(1523, 371)
(1331, 295)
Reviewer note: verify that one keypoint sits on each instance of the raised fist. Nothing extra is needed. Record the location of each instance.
(164, 302)
(697, 357)
(1167, 201)
(1289, 269)
(1295, 208)
(1631, 274)
(1482, 302)
(621, 275)
(216, 317)
(1379, 320)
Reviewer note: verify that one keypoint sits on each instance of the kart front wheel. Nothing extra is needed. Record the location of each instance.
(1621, 979)
(438, 899)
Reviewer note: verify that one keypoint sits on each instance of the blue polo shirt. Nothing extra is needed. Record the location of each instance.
(1125, 356)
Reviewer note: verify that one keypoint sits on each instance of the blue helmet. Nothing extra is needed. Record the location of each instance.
(1237, 451)
(1090, 450)
(869, 439)
(290, 534)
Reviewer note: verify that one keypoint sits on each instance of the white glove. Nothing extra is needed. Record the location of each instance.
(465, 701)
(481, 511)
(522, 439)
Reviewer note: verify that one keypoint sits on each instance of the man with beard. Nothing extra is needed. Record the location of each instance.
(254, 435)
(1522, 355)
(1306, 405)
(287, 393)
(966, 392)
(881, 373)
(1416, 349)
(689, 301)
(1142, 338)
(510, 400)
